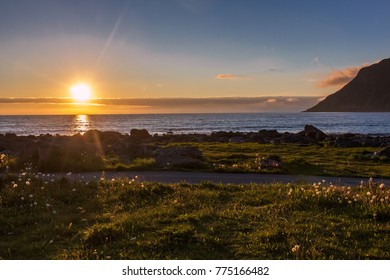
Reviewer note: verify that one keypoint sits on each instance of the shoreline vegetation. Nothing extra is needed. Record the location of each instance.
(309, 152)
(45, 217)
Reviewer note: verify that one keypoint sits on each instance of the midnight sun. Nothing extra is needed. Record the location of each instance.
(81, 92)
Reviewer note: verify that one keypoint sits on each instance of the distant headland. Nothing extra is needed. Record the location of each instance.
(369, 91)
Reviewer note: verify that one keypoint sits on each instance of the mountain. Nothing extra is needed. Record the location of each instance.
(369, 91)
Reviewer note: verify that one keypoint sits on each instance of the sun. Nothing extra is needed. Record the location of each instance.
(81, 92)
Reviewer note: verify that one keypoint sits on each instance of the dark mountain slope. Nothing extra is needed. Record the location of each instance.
(369, 91)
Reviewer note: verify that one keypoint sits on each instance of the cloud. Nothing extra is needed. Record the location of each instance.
(189, 105)
(315, 61)
(231, 77)
(272, 100)
(292, 99)
(340, 77)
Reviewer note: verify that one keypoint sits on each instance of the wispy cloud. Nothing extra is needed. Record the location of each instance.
(191, 105)
(340, 77)
(232, 77)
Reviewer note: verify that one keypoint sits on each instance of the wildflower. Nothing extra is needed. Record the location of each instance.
(22, 198)
(368, 193)
(31, 196)
(54, 212)
(42, 188)
(51, 242)
(382, 200)
(381, 186)
(295, 249)
(35, 203)
(73, 190)
(69, 173)
(349, 202)
(47, 205)
(15, 185)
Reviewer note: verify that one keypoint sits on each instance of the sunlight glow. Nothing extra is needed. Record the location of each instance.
(81, 92)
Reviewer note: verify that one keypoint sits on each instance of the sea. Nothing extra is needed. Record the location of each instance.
(330, 123)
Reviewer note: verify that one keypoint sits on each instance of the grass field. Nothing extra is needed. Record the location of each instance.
(42, 218)
(313, 159)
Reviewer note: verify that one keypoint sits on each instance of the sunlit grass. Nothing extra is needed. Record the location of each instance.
(44, 217)
(316, 159)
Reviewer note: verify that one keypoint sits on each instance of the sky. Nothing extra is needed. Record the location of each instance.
(177, 56)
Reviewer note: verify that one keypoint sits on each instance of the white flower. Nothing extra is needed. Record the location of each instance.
(295, 248)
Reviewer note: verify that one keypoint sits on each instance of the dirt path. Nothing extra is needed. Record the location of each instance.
(233, 178)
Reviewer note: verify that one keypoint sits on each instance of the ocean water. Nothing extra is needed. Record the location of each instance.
(365, 123)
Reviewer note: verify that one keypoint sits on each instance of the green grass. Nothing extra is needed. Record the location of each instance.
(128, 219)
(316, 159)
(136, 165)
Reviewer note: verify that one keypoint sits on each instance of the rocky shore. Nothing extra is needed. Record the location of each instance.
(85, 152)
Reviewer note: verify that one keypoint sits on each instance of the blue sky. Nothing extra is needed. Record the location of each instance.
(187, 48)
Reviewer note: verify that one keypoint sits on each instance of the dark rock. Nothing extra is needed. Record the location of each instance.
(139, 133)
(269, 163)
(291, 138)
(265, 133)
(134, 150)
(341, 142)
(312, 132)
(237, 139)
(185, 157)
(384, 152)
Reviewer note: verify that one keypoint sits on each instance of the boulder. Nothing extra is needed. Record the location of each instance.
(270, 163)
(269, 133)
(139, 133)
(185, 157)
(384, 152)
(312, 132)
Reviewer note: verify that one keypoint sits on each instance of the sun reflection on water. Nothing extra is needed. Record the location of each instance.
(81, 124)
